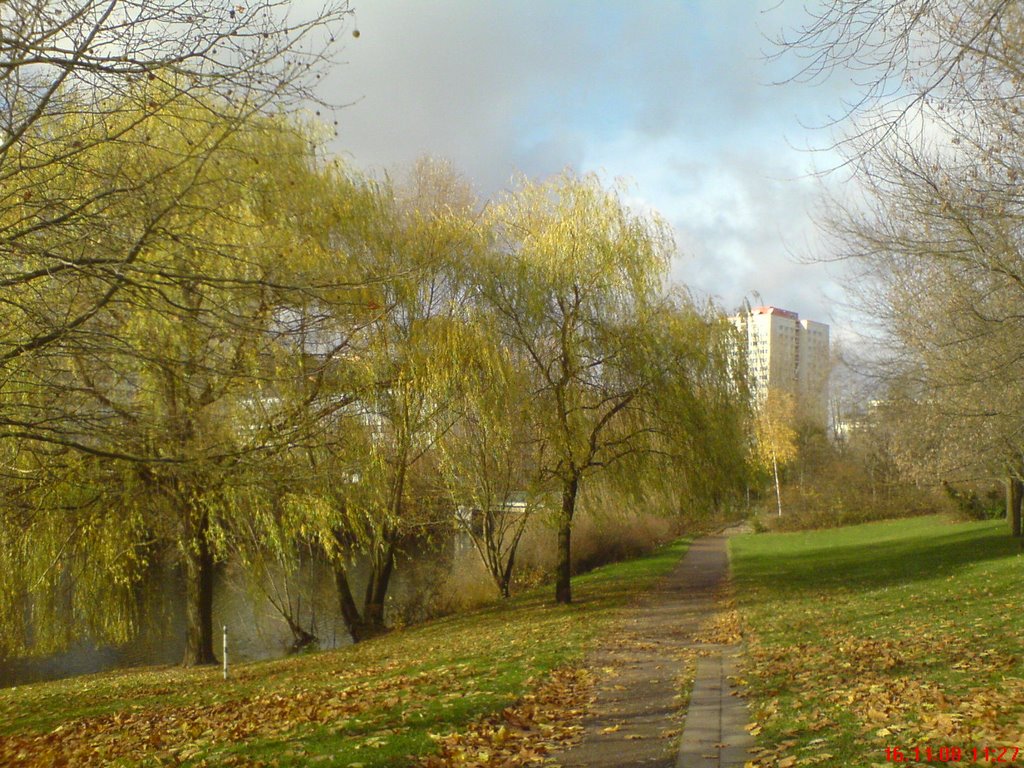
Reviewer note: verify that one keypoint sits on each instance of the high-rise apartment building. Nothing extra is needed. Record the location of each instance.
(788, 353)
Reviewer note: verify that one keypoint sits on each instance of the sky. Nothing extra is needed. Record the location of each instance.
(676, 98)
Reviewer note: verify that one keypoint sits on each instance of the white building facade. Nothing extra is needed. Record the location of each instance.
(787, 353)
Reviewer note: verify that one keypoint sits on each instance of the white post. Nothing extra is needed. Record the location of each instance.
(225, 654)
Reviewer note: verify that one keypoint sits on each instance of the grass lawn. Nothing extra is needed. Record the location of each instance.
(904, 635)
(375, 704)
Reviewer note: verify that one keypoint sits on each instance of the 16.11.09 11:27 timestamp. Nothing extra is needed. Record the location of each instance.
(951, 754)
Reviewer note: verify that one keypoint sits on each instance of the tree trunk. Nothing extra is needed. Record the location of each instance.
(369, 622)
(198, 596)
(563, 567)
(301, 638)
(381, 568)
(349, 609)
(1014, 497)
(505, 582)
(377, 592)
(778, 487)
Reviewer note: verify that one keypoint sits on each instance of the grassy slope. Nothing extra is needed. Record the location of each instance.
(901, 634)
(369, 705)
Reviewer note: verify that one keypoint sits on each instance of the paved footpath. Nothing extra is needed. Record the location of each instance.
(636, 716)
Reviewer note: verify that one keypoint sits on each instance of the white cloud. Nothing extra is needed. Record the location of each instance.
(672, 95)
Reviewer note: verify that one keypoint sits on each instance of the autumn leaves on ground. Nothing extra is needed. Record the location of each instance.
(901, 635)
(499, 687)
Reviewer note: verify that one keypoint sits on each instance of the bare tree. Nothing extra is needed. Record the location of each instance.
(937, 240)
(905, 59)
(935, 139)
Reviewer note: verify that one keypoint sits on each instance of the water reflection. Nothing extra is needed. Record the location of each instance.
(256, 629)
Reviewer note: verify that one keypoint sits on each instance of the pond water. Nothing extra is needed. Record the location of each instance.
(256, 629)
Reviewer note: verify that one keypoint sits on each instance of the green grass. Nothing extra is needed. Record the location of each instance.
(899, 634)
(372, 705)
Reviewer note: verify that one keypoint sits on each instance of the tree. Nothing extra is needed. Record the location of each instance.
(702, 406)
(168, 392)
(86, 88)
(573, 277)
(915, 59)
(775, 436)
(413, 357)
(489, 459)
(937, 149)
(81, 75)
(939, 257)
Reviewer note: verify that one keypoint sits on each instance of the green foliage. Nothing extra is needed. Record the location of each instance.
(150, 422)
(271, 357)
(490, 459)
(697, 411)
(620, 372)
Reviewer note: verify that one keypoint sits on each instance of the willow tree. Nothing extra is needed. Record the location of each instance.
(168, 393)
(697, 410)
(86, 86)
(490, 459)
(573, 276)
(413, 353)
(80, 75)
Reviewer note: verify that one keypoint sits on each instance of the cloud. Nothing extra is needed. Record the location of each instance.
(672, 95)
(466, 81)
(741, 218)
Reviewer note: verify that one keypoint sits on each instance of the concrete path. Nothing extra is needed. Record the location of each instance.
(636, 718)
(714, 736)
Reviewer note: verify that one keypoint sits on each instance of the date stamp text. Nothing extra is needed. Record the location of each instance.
(936, 754)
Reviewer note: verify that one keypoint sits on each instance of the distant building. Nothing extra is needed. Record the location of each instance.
(785, 352)
(857, 419)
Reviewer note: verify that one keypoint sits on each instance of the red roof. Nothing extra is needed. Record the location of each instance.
(774, 311)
